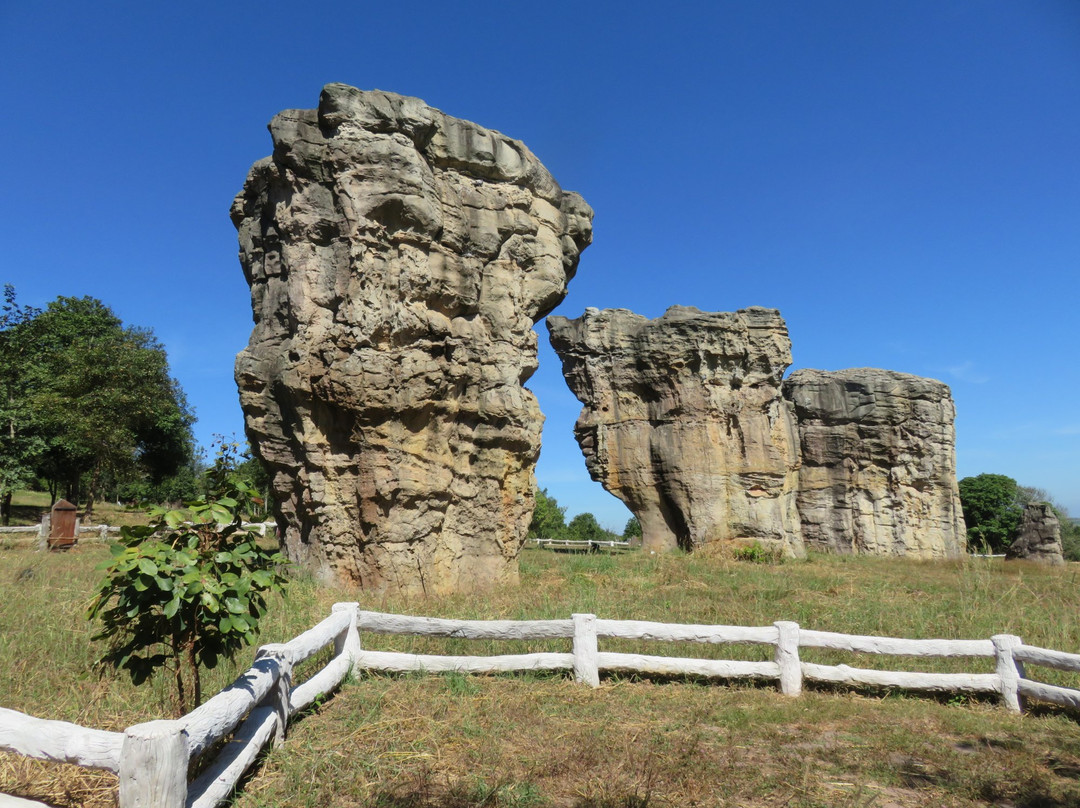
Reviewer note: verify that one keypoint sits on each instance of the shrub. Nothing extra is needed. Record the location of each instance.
(187, 589)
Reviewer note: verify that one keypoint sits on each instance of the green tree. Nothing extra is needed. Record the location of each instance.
(584, 527)
(992, 506)
(548, 519)
(632, 529)
(187, 589)
(103, 400)
(20, 444)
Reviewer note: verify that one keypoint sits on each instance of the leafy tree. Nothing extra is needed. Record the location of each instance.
(548, 519)
(992, 506)
(632, 529)
(20, 444)
(103, 401)
(584, 527)
(187, 589)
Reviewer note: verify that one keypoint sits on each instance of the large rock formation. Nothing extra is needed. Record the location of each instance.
(1040, 536)
(878, 471)
(683, 421)
(686, 421)
(398, 259)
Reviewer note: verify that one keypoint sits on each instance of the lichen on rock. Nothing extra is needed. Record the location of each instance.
(398, 259)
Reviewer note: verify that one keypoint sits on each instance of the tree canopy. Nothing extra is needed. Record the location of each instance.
(90, 399)
(992, 510)
(584, 527)
(20, 445)
(548, 519)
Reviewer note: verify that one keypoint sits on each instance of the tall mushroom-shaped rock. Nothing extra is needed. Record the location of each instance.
(878, 471)
(683, 420)
(398, 259)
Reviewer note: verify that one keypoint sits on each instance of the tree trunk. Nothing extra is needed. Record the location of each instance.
(5, 508)
(91, 492)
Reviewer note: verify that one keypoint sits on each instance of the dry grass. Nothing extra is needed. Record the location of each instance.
(447, 741)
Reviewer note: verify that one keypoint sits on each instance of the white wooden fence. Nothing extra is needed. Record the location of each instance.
(787, 638)
(38, 534)
(152, 759)
(588, 545)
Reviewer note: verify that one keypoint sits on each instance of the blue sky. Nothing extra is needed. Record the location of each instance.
(901, 178)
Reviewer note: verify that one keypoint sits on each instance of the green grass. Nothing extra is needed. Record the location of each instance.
(541, 740)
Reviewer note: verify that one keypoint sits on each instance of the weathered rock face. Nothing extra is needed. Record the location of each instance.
(1040, 536)
(683, 421)
(878, 471)
(398, 259)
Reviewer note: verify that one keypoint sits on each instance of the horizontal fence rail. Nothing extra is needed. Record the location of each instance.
(152, 759)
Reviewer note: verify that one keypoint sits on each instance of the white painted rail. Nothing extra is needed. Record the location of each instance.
(59, 741)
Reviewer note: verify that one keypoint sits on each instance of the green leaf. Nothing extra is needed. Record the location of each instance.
(147, 566)
(171, 607)
(221, 515)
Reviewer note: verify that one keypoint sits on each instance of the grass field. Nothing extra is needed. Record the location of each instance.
(541, 740)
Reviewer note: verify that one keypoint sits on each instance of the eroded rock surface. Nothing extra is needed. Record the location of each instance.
(878, 471)
(683, 420)
(398, 259)
(1040, 536)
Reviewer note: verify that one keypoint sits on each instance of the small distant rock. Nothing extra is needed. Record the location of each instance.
(1040, 536)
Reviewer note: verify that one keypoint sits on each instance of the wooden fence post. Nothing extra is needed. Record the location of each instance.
(1008, 669)
(349, 641)
(154, 766)
(787, 657)
(585, 650)
(278, 697)
(43, 532)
